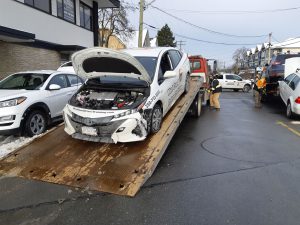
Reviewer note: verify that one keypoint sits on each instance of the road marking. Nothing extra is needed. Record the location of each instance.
(289, 128)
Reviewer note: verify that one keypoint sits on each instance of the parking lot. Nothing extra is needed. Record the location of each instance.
(240, 165)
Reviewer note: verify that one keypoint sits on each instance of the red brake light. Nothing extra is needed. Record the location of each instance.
(297, 100)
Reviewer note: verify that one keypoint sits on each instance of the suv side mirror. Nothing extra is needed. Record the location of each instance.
(53, 87)
(170, 74)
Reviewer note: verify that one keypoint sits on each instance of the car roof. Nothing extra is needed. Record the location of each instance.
(150, 52)
(38, 71)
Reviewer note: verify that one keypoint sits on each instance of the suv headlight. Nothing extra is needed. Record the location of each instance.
(12, 102)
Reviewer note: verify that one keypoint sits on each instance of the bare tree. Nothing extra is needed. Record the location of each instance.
(239, 57)
(114, 21)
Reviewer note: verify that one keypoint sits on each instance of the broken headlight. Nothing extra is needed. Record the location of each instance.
(130, 111)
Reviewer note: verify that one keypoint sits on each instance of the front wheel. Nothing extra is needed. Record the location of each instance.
(156, 119)
(187, 84)
(35, 123)
(246, 88)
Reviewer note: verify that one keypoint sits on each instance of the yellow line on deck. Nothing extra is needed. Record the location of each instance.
(289, 128)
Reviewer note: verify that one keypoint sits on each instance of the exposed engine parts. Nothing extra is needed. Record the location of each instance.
(107, 100)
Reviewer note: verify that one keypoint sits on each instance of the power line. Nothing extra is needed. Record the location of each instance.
(234, 11)
(200, 40)
(203, 28)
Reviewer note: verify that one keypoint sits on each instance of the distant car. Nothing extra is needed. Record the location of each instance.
(290, 94)
(29, 101)
(234, 82)
(127, 93)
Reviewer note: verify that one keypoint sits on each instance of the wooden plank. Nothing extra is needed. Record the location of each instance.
(115, 168)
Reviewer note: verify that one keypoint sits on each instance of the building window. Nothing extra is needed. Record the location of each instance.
(66, 10)
(44, 5)
(85, 16)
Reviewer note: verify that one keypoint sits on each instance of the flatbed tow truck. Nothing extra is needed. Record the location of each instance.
(122, 169)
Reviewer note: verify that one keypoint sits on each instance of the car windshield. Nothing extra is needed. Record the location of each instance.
(28, 81)
(149, 63)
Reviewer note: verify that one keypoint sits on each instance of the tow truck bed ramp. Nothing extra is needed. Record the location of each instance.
(115, 168)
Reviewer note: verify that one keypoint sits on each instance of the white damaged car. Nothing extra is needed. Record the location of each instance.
(126, 93)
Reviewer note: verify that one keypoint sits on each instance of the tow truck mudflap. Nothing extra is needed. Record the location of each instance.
(115, 168)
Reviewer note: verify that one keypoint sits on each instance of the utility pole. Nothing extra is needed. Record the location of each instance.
(181, 43)
(141, 21)
(270, 41)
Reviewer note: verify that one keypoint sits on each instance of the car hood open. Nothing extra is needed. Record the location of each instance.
(103, 62)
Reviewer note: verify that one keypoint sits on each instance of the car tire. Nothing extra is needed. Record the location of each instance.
(35, 123)
(156, 119)
(289, 112)
(197, 106)
(187, 84)
(246, 88)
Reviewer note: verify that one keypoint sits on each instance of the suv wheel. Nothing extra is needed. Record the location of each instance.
(35, 123)
(156, 119)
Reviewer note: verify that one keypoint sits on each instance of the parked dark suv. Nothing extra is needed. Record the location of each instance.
(275, 72)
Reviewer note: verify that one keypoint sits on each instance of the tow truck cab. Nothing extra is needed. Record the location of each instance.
(199, 68)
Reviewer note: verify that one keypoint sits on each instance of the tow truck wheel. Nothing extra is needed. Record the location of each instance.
(197, 106)
(187, 84)
(156, 119)
(246, 88)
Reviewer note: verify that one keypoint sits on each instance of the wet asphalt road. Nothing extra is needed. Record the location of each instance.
(237, 166)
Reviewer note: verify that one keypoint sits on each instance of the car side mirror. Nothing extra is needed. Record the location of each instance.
(53, 87)
(170, 74)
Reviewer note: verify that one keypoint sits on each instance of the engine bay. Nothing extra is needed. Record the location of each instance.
(107, 100)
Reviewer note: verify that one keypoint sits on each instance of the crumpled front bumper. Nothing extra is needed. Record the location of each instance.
(125, 129)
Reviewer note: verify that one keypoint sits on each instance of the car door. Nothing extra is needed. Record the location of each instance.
(230, 81)
(74, 82)
(180, 66)
(167, 86)
(221, 80)
(292, 87)
(59, 98)
(284, 88)
(239, 83)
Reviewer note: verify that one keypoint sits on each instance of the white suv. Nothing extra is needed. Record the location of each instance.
(234, 82)
(29, 101)
(127, 92)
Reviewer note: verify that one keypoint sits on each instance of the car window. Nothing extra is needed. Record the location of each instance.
(149, 63)
(165, 63)
(74, 80)
(230, 77)
(175, 57)
(237, 78)
(59, 80)
(294, 83)
(196, 65)
(28, 81)
(288, 79)
(220, 76)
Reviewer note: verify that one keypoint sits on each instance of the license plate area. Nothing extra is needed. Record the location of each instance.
(89, 131)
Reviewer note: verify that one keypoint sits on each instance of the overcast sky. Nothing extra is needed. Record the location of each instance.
(283, 24)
